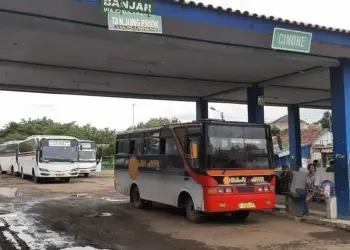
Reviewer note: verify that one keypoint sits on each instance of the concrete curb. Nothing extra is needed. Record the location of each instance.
(336, 224)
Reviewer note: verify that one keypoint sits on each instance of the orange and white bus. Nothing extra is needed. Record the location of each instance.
(205, 167)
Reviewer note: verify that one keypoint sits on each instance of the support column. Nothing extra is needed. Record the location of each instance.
(340, 93)
(255, 111)
(294, 137)
(202, 109)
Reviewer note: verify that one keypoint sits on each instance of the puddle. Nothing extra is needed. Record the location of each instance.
(77, 195)
(100, 215)
(115, 200)
(4, 211)
(23, 225)
(9, 192)
(82, 248)
(11, 239)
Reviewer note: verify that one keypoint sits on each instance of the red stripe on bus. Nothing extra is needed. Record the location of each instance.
(203, 180)
(27, 154)
(7, 155)
(246, 172)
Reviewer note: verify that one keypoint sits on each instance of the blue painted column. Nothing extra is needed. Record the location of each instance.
(340, 93)
(255, 111)
(294, 137)
(202, 109)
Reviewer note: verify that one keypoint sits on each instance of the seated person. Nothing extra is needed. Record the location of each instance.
(286, 178)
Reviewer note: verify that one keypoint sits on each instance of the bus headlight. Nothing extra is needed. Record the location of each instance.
(43, 170)
(228, 190)
(74, 169)
(260, 189)
(266, 189)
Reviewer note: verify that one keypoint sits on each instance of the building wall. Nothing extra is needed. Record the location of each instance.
(325, 139)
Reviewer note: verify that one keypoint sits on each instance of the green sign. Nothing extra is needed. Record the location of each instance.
(135, 23)
(291, 40)
(128, 6)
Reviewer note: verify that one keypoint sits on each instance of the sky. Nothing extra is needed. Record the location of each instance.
(92, 110)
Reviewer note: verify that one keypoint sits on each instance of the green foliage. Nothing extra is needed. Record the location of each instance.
(156, 122)
(45, 126)
(326, 120)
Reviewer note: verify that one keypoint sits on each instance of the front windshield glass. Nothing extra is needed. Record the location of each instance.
(86, 155)
(233, 147)
(87, 151)
(59, 150)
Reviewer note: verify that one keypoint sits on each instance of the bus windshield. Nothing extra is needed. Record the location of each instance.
(87, 151)
(59, 150)
(237, 147)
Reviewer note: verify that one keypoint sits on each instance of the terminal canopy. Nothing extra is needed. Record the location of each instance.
(65, 47)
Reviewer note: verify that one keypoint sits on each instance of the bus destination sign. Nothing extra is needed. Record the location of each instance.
(59, 143)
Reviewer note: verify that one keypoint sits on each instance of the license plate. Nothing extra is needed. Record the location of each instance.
(59, 175)
(246, 205)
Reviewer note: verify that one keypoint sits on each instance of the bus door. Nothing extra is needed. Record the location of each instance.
(98, 159)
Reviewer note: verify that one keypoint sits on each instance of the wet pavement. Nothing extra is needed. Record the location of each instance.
(88, 214)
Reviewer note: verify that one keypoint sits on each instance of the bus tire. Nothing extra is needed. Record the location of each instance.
(136, 200)
(66, 180)
(86, 175)
(2, 172)
(35, 179)
(240, 216)
(13, 171)
(191, 213)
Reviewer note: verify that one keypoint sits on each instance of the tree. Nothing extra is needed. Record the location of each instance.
(326, 120)
(45, 126)
(157, 122)
(275, 131)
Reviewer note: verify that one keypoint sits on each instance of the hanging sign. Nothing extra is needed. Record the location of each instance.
(128, 6)
(291, 40)
(135, 23)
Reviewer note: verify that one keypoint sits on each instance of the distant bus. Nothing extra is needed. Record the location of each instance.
(205, 167)
(9, 157)
(89, 158)
(48, 157)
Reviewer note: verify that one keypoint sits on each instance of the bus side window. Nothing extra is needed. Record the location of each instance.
(162, 146)
(132, 147)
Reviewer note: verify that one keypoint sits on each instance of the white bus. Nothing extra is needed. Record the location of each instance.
(89, 157)
(9, 157)
(48, 157)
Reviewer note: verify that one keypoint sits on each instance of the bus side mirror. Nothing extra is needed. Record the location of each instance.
(194, 150)
(81, 147)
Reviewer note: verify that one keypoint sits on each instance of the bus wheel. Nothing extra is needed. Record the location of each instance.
(86, 175)
(191, 213)
(34, 178)
(240, 216)
(136, 200)
(13, 171)
(2, 172)
(66, 180)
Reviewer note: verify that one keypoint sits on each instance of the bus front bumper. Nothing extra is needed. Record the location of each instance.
(58, 174)
(235, 202)
(86, 170)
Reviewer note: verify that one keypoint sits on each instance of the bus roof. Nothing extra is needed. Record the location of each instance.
(212, 121)
(52, 137)
(11, 142)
